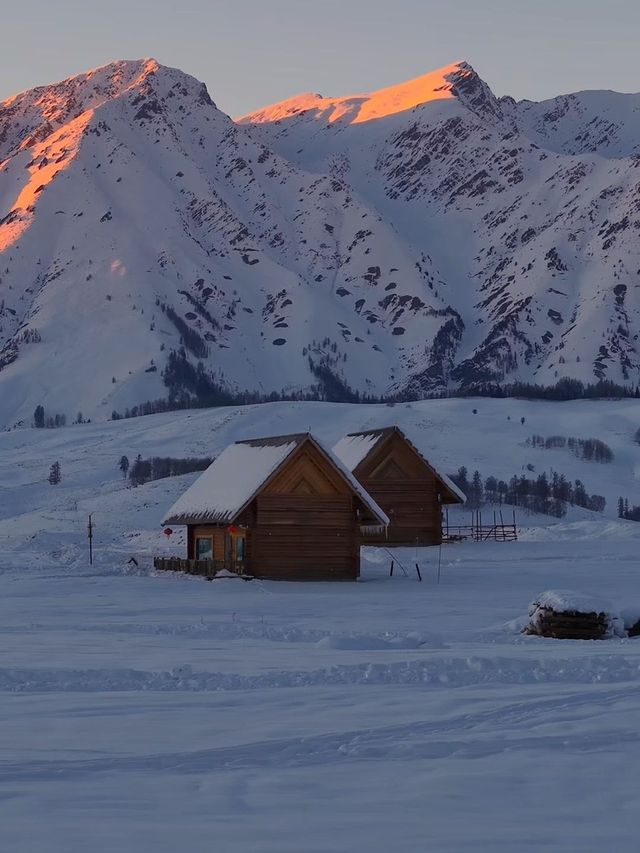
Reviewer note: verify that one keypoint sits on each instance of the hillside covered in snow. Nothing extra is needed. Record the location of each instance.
(428, 236)
(142, 709)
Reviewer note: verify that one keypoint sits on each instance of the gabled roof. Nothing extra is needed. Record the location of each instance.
(239, 473)
(355, 447)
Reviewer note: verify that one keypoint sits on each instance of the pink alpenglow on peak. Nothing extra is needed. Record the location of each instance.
(356, 109)
(51, 124)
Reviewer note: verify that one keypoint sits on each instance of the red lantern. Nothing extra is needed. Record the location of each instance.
(167, 532)
(233, 530)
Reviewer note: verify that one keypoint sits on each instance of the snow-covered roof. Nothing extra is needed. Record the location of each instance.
(354, 448)
(230, 481)
(237, 474)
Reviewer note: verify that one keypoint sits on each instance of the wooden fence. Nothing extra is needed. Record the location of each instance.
(481, 531)
(205, 568)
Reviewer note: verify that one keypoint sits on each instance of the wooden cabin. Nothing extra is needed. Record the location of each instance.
(279, 508)
(409, 488)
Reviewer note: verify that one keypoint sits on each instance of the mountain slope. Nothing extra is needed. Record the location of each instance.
(429, 235)
(531, 211)
(136, 218)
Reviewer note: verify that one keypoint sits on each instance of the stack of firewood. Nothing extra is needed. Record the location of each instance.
(570, 616)
(569, 626)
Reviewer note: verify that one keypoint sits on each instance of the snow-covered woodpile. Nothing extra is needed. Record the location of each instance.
(567, 615)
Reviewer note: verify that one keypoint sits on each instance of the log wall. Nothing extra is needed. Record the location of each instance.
(306, 537)
(407, 490)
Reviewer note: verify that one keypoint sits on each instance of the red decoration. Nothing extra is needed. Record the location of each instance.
(167, 532)
(233, 530)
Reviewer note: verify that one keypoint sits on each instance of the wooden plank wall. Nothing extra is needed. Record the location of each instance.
(309, 537)
(406, 489)
(307, 473)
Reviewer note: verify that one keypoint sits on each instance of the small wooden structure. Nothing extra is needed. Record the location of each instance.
(408, 487)
(489, 529)
(567, 615)
(281, 508)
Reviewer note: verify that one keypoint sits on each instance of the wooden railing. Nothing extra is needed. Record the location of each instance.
(206, 568)
(480, 532)
(498, 531)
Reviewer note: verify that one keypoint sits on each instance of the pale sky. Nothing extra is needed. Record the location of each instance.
(253, 52)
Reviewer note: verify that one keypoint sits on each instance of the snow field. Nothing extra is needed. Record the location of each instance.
(153, 712)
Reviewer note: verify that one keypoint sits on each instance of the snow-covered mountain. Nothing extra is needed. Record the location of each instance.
(529, 212)
(423, 236)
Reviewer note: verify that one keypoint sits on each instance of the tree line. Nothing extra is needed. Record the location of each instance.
(548, 495)
(158, 467)
(625, 510)
(43, 421)
(194, 387)
(563, 389)
(589, 449)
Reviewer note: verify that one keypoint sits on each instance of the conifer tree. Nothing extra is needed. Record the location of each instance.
(124, 466)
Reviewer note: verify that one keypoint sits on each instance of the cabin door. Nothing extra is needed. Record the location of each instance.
(236, 550)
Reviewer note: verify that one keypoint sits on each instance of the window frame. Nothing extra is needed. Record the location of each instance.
(198, 539)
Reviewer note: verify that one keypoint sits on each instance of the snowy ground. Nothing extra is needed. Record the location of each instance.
(144, 712)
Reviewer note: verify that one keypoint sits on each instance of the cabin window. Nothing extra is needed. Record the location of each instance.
(204, 548)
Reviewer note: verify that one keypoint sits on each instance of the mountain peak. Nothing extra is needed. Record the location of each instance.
(432, 86)
(45, 109)
(437, 85)
(110, 79)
